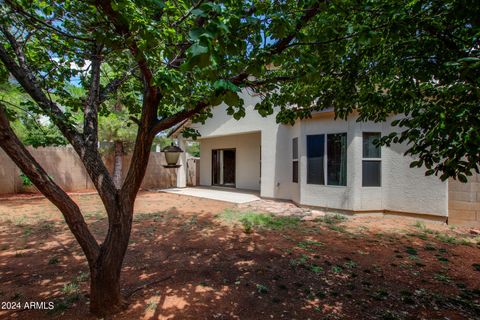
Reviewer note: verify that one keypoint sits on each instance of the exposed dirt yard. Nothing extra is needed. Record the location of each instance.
(193, 258)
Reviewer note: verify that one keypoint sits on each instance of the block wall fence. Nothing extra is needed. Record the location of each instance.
(67, 170)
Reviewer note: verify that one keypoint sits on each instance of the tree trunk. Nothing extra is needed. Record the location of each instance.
(105, 296)
(118, 164)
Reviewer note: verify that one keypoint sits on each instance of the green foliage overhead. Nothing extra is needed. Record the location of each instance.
(413, 58)
(417, 59)
(31, 128)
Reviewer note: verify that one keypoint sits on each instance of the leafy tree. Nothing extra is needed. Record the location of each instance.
(174, 60)
(420, 59)
(29, 127)
(194, 149)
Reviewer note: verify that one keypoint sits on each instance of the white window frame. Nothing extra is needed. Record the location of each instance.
(372, 159)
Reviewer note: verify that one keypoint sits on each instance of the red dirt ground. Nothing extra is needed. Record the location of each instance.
(186, 262)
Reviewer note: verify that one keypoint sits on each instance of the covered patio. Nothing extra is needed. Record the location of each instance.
(217, 193)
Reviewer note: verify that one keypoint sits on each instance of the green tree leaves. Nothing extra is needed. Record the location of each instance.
(412, 58)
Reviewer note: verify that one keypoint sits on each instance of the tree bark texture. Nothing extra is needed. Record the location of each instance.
(118, 164)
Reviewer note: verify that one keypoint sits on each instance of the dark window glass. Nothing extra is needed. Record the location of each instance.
(369, 148)
(295, 148)
(215, 167)
(337, 159)
(372, 173)
(295, 171)
(315, 156)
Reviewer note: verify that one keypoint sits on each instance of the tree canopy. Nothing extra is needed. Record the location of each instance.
(168, 61)
(419, 59)
(416, 58)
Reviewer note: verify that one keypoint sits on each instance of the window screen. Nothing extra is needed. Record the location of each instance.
(315, 156)
(371, 173)
(337, 159)
(371, 169)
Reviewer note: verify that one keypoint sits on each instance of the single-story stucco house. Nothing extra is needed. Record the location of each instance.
(325, 163)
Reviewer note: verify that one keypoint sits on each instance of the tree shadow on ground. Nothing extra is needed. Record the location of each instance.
(183, 264)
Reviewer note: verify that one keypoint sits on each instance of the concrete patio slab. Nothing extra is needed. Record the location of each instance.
(221, 194)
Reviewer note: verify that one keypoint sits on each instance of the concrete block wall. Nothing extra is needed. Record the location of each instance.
(464, 202)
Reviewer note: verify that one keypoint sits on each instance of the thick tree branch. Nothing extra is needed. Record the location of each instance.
(123, 29)
(166, 123)
(242, 78)
(91, 159)
(29, 166)
(282, 44)
(27, 81)
(151, 99)
(115, 84)
(22, 60)
(141, 151)
(90, 123)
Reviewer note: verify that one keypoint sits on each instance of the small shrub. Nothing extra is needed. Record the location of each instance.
(337, 228)
(380, 295)
(70, 288)
(152, 305)
(247, 226)
(302, 261)
(82, 276)
(337, 269)
(350, 264)
(316, 269)
(332, 218)
(441, 277)
(262, 289)
(411, 251)
(26, 182)
(446, 238)
(251, 220)
(53, 260)
(429, 247)
(442, 259)
(308, 244)
(61, 305)
(419, 224)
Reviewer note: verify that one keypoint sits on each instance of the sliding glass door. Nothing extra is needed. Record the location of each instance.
(223, 167)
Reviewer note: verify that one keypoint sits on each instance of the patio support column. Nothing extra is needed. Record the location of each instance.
(182, 171)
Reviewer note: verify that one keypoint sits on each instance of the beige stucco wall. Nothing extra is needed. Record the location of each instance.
(464, 201)
(65, 167)
(403, 189)
(247, 158)
(275, 180)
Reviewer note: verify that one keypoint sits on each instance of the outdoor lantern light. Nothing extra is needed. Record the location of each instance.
(172, 153)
